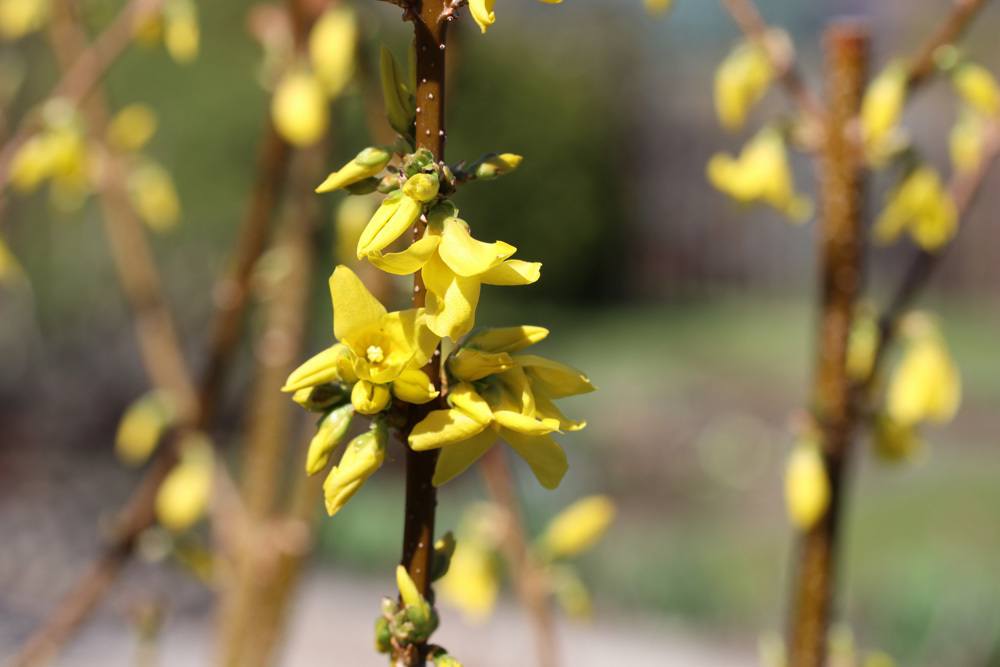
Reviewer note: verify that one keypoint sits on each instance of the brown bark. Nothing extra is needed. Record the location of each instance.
(841, 273)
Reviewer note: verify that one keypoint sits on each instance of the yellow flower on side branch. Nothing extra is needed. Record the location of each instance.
(578, 527)
(978, 88)
(807, 486)
(332, 44)
(21, 17)
(484, 16)
(184, 496)
(299, 108)
(882, 106)
(925, 385)
(921, 206)
(740, 82)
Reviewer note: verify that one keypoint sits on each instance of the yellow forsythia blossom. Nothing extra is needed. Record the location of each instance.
(483, 15)
(896, 441)
(882, 105)
(331, 430)
(369, 162)
(862, 344)
(925, 385)
(182, 35)
(740, 82)
(20, 17)
(978, 88)
(378, 349)
(185, 493)
(141, 427)
(578, 527)
(363, 456)
(454, 267)
(921, 206)
(807, 487)
(656, 7)
(57, 153)
(299, 108)
(761, 174)
(966, 141)
(132, 128)
(473, 580)
(515, 405)
(498, 165)
(154, 196)
(332, 45)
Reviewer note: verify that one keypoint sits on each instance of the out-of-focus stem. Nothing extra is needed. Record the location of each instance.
(421, 496)
(841, 255)
(948, 32)
(532, 588)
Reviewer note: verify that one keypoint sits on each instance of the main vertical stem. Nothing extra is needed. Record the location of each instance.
(421, 496)
(841, 257)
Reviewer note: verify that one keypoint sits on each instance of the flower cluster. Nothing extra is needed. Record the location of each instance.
(487, 388)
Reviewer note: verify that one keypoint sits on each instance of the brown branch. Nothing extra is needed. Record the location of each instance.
(532, 587)
(421, 496)
(841, 256)
(949, 31)
(748, 18)
(81, 76)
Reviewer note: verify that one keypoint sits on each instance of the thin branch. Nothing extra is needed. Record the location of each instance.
(748, 18)
(949, 31)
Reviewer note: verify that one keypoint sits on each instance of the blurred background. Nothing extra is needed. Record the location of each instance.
(692, 316)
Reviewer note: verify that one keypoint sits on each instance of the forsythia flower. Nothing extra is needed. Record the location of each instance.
(978, 88)
(807, 487)
(895, 441)
(378, 350)
(925, 385)
(366, 164)
(332, 43)
(20, 17)
(363, 456)
(454, 267)
(740, 82)
(483, 15)
(182, 34)
(862, 344)
(882, 105)
(397, 213)
(921, 206)
(494, 166)
(760, 174)
(132, 128)
(966, 141)
(331, 430)
(184, 495)
(472, 582)
(154, 196)
(578, 527)
(507, 396)
(57, 154)
(299, 108)
(142, 426)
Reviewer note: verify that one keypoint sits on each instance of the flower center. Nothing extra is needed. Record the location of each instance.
(374, 354)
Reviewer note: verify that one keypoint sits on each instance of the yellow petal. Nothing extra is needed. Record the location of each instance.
(509, 339)
(513, 272)
(369, 162)
(443, 427)
(132, 127)
(369, 398)
(925, 385)
(740, 82)
(299, 109)
(472, 582)
(457, 458)
(332, 44)
(547, 411)
(451, 300)
(20, 17)
(465, 255)
(154, 196)
(182, 35)
(555, 379)
(403, 217)
(141, 427)
(544, 456)
(464, 397)
(883, 102)
(363, 456)
(469, 364)
(421, 187)
(331, 430)
(319, 369)
(407, 261)
(978, 88)
(578, 527)
(521, 423)
(354, 307)
(482, 13)
(807, 487)
(414, 386)
(185, 493)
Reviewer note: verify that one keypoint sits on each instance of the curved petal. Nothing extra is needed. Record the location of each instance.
(515, 421)
(414, 386)
(408, 261)
(443, 427)
(513, 272)
(464, 397)
(451, 300)
(354, 307)
(543, 454)
(507, 339)
(465, 255)
(469, 364)
(382, 214)
(402, 219)
(457, 458)
(555, 379)
(318, 369)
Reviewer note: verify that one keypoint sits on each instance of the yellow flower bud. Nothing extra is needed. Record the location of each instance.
(394, 217)
(369, 162)
(895, 441)
(299, 108)
(399, 105)
(20, 17)
(498, 165)
(925, 385)
(740, 82)
(578, 527)
(468, 364)
(327, 366)
(966, 141)
(31, 165)
(422, 187)
(407, 589)
(414, 386)
(369, 398)
(807, 487)
(482, 13)
(362, 457)
(185, 493)
(132, 127)
(332, 45)
(141, 427)
(861, 346)
(920, 205)
(154, 196)
(182, 34)
(883, 102)
(978, 88)
(331, 429)
(472, 582)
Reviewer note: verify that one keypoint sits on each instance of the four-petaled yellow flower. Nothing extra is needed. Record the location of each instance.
(378, 350)
(514, 402)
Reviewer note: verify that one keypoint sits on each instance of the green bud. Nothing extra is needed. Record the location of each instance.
(418, 161)
(332, 428)
(373, 156)
(321, 397)
(441, 212)
(493, 166)
(444, 548)
(383, 636)
(422, 187)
